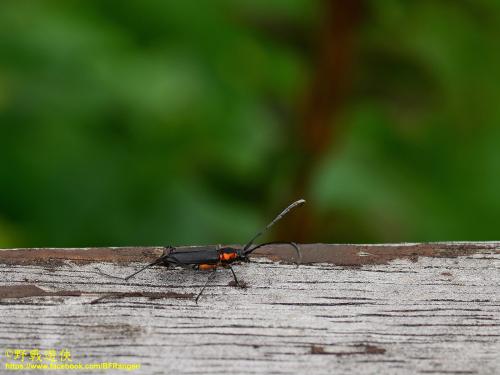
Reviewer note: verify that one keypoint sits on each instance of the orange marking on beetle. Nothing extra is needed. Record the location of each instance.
(225, 257)
(207, 267)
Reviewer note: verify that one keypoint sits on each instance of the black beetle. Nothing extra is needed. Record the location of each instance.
(212, 257)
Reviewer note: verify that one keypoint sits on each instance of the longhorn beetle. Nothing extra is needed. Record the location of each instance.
(212, 257)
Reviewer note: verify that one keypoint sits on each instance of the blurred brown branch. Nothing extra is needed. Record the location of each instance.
(322, 102)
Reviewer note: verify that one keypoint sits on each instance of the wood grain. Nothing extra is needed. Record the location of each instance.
(364, 309)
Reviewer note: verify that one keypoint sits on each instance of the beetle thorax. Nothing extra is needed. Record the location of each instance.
(228, 255)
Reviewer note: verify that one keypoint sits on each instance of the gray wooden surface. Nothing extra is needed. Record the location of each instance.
(363, 309)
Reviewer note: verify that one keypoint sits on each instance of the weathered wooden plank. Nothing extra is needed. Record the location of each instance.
(404, 308)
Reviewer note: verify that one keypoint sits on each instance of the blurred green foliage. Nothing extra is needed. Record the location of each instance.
(173, 122)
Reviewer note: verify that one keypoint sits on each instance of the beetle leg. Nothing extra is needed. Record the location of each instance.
(210, 277)
(157, 261)
(234, 276)
(101, 272)
(97, 300)
(162, 259)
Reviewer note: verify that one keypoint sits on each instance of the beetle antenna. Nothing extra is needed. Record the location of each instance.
(276, 219)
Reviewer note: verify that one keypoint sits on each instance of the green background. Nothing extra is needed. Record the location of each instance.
(188, 122)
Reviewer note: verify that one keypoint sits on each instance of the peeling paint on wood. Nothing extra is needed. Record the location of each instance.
(339, 254)
(365, 309)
